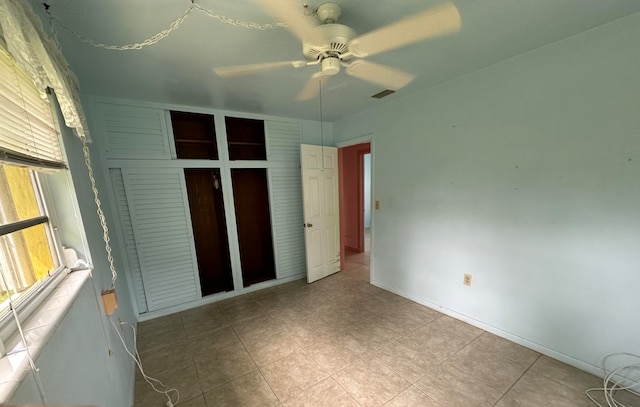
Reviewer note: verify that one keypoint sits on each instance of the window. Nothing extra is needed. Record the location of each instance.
(30, 256)
(28, 252)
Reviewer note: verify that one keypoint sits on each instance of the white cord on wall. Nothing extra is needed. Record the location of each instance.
(631, 374)
(114, 276)
(101, 217)
(136, 357)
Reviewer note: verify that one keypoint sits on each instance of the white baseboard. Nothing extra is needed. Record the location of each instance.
(218, 297)
(579, 364)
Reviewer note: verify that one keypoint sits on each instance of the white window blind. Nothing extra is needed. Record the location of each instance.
(27, 133)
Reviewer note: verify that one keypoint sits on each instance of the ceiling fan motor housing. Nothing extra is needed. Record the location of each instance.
(337, 38)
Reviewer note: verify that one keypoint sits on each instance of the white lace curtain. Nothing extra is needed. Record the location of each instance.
(42, 59)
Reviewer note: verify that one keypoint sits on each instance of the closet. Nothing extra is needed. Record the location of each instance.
(194, 135)
(195, 138)
(251, 200)
(246, 141)
(245, 138)
(209, 230)
(206, 202)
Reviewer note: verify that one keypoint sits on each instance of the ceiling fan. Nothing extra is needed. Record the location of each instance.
(333, 46)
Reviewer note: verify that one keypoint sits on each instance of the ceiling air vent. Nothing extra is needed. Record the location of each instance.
(384, 93)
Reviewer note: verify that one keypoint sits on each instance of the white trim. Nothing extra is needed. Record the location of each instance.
(367, 138)
(194, 109)
(170, 136)
(218, 297)
(228, 202)
(33, 299)
(162, 163)
(248, 164)
(595, 370)
(144, 163)
(272, 223)
(28, 301)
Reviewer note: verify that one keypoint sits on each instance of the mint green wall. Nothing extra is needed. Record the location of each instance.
(312, 134)
(75, 366)
(526, 175)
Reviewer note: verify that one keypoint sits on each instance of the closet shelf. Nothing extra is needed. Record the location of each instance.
(182, 140)
(245, 143)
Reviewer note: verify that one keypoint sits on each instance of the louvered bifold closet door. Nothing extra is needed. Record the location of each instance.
(164, 240)
(284, 139)
(134, 132)
(129, 241)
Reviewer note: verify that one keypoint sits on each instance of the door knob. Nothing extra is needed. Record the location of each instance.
(309, 225)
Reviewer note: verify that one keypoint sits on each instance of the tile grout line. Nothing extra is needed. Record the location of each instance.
(571, 389)
(195, 367)
(269, 384)
(343, 301)
(519, 378)
(342, 387)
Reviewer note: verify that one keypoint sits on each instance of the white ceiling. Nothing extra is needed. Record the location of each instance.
(178, 70)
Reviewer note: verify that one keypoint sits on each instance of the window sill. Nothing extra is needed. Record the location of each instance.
(38, 329)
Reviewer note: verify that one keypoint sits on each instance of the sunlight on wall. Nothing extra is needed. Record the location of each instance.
(32, 243)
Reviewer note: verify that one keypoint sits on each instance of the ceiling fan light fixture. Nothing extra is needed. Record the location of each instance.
(330, 66)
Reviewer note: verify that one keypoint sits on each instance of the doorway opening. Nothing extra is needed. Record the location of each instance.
(355, 205)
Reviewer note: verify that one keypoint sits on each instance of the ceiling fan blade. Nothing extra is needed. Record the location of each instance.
(236, 70)
(383, 75)
(431, 23)
(290, 12)
(312, 87)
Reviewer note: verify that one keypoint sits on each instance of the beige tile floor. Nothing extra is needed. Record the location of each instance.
(343, 342)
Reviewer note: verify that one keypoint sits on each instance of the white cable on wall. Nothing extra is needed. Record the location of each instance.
(114, 275)
(103, 221)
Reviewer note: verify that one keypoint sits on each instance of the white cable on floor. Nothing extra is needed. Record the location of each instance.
(610, 386)
(136, 358)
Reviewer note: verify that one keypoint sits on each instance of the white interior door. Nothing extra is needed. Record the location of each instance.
(321, 210)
